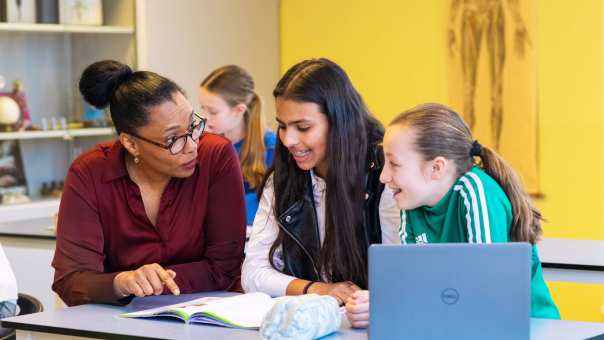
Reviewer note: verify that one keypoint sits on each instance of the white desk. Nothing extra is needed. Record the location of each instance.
(568, 260)
(587, 253)
(103, 321)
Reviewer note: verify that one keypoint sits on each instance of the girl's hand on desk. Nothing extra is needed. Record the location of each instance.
(146, 280)
(341, 290)
(357, 309)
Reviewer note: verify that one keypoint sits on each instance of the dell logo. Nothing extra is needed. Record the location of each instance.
(449, 296)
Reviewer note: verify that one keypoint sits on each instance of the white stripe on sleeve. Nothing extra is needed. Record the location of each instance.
(483, 206)
(466, 202)
(475, 210)
(402, 231)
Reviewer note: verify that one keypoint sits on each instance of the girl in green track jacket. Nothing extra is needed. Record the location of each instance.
(451, 189)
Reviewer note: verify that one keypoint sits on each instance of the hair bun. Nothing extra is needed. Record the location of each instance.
(100, 80)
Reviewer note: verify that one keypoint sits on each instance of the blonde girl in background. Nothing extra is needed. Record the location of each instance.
(233, 109)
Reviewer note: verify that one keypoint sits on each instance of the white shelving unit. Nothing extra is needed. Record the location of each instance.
(49, 59)
(56, 28)
(33, 210)
(64, 134)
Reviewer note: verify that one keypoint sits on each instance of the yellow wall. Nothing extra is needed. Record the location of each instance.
(571, 118)
(392, 65)
(395, 54)
(578, 301)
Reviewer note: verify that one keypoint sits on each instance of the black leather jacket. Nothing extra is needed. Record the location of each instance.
(299, 223)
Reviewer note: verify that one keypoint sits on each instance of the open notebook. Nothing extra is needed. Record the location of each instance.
(240, 311)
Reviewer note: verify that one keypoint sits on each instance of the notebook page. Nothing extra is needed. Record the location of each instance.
(198, 305)
(242, 311)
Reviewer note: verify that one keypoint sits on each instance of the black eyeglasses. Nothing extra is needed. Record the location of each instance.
(178, 143)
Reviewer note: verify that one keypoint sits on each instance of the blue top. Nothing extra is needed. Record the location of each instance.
(251, 199)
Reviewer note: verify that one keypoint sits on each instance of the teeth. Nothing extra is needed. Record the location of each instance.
(300, 153)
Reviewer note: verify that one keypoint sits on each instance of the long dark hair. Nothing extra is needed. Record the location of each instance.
(442, 132)
(128, 94)
(352, 130)
(235, 85)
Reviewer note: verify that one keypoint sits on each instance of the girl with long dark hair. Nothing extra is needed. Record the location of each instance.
(322, 204)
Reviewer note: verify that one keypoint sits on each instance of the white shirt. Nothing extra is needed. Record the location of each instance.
(8, 282)
(257, 274)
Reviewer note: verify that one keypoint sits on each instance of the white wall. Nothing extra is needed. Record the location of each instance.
(30, 260)
(186, 39)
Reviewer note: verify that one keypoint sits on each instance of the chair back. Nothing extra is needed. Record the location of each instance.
(27, 305)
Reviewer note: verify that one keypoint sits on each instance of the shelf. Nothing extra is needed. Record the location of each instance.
(24, 211)
(64, 134)
(57, 28)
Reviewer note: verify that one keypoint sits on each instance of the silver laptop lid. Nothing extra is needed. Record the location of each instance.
(450, 291)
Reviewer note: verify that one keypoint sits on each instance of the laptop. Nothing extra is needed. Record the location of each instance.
(450, 291)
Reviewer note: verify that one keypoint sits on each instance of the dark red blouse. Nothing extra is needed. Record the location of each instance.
(103, 228)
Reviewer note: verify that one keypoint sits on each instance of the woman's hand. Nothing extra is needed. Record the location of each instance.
(146, 280)
(357, 309)
(341, 290)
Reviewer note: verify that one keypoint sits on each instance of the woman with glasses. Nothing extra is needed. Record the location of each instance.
(322, 205)
(160, 210)
(234, 110)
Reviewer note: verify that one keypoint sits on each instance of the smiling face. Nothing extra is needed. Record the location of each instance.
(167, 120)
(405, 171)
(303, 130)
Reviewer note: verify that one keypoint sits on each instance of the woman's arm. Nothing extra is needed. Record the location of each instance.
(224, 226)
(78, 260)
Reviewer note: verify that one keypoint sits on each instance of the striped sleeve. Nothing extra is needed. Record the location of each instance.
(475, 208)
(404, 232)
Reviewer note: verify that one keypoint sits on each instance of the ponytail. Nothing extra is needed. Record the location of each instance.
(253, 149)
(526, 224)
